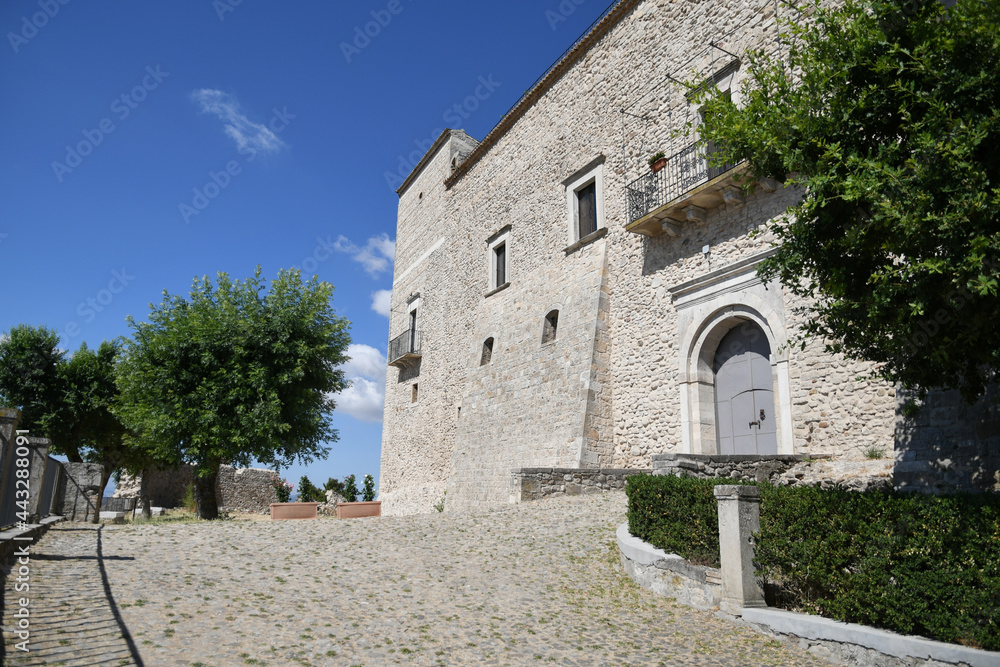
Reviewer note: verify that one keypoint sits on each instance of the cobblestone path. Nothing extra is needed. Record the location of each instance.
(72, 619)
(533, 584)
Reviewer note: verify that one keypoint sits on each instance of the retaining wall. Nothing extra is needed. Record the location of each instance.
(535, 483)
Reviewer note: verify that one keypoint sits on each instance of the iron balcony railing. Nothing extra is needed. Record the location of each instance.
(406, 344)
(684, 170)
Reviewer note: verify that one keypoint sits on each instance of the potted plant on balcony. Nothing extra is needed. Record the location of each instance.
(657, 162)
(368, 507)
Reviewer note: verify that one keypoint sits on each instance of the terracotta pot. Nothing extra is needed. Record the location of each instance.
(658, 165)
(356, 510)
(281, 511)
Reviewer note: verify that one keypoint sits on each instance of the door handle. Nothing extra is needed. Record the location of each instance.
(754, 423)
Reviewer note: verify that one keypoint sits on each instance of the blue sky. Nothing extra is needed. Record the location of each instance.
(144, 144)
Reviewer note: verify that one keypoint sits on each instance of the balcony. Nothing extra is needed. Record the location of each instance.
(404, 349)
(680, 193)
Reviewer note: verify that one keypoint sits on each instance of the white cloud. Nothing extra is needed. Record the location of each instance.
(376, 256)
(365, 396)
(237, 126)
(380, 301)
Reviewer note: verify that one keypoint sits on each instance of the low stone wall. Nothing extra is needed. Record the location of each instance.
(79, 486)
(669, 575)
(534, 483)
(236, 489)
(781, 470)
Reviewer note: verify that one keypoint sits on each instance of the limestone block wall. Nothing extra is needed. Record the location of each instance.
(237, 489)
(616, 387)
(76, 497)
(536, 483)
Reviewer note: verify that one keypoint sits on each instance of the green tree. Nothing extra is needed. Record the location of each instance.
(31, 381)
(369, 492)
(886, 118)
(308, 491)
(71, 401)
(350, 491)
(236, 372)
(88, 423)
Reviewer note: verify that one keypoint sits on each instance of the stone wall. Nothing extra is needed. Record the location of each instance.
(857, 475)
(949, 444)
(237, 489)
(78, 489)
(535, 483)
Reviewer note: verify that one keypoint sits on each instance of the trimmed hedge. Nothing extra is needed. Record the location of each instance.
(914, 564)
(677, 514)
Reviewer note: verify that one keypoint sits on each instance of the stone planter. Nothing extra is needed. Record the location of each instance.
(356, 510)
(281, 511)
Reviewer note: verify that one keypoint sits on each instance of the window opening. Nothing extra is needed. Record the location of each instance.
(586, 198)
(413, 393)
(487, 355)
(551, 324)
(501, 263)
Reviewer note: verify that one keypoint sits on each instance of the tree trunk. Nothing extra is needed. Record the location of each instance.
(204, 492)
(147, 511)
(105, 476)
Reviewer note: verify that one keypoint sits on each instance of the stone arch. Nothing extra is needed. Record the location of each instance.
(697, 374)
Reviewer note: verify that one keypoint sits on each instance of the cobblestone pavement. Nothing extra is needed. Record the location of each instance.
(533, 584)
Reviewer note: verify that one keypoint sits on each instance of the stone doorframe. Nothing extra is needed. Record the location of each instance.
(707, 308)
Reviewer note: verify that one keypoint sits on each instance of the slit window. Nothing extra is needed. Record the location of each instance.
(413, 393)
(487, 355)
(550, 327)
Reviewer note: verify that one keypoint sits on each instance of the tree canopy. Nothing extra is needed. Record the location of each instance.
(238, 371)
(30, 380)
(886, 116)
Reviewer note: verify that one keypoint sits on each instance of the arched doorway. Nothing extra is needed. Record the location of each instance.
(745, 417)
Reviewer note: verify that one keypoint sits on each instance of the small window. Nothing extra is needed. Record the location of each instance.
(487, 352)
(500, 261)
(585, 200)
(551, 325)
(413, 393)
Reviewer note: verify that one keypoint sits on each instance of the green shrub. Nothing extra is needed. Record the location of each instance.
(677, 514)
(369, 492)
(350, 489)
(913, 564)
(309, 493)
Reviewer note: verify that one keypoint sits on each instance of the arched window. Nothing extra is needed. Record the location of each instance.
(551, 324)
(487, 352)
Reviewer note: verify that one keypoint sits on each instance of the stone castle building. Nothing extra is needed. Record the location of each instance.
(557, 304)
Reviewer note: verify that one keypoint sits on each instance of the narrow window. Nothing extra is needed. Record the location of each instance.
(413, 335)
(500, 259)
(551, 324)
(413, 393)
(586, 198)
(487, 352)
